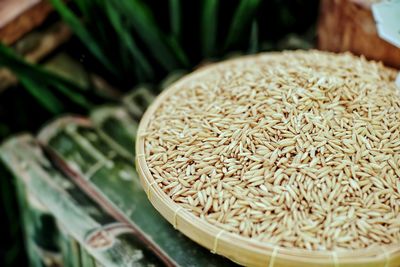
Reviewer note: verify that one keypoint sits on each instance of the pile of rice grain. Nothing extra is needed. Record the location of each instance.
(299, 149)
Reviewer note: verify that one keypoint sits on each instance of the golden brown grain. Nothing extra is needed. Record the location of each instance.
(298, 149)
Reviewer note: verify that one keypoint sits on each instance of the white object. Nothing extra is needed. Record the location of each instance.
(398, 80)
(387, 18)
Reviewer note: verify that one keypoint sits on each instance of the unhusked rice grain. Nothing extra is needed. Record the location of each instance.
(298, 149)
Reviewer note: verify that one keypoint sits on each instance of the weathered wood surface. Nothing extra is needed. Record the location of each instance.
(18, 17)
(34, 47)
(109, 241)
(10, 9)
(348, 25)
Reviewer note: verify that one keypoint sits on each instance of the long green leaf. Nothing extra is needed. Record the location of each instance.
(75, 97)
(141, 19)
(175, 18)
(42, 95)
(128, 40)
(83, 33)
(241, 20)
(37, 78)
(85, 7)
(180, 54)
(253, 44)
(175, 37)
(39, 82)
(93, 18)
(209, 26)
(9, 59)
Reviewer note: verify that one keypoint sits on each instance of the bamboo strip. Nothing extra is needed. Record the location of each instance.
(30, 209)
(138, 100)
(86, 259)
(245, 251)
(116, 128)
(100, 234)
(123, 193)
(44, 232)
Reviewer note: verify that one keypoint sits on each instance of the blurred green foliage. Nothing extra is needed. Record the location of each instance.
(133, 41)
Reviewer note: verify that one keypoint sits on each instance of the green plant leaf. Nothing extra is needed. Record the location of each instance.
(208, 26)
(141, 19)
(85, 6)
(75, 97)
(128, 40)
(40, 82)
(253, 44)
(83, 34)
(180, 54)
(93, 18)
(175, 18)
(241, 19)
(43, 95)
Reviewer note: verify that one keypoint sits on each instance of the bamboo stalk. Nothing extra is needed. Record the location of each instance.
(138, 100)
(40, 233)
(96, 231)
(86, 259)
(36, 256)
(71, 251)
(44, 233)
(116, 128)
(117, 184)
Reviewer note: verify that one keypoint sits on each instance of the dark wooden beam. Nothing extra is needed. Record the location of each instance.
(18, 17)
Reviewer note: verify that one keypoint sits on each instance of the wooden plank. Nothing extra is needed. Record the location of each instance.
(10, 9)
(348, 25)
(36, 46)
(18, 17)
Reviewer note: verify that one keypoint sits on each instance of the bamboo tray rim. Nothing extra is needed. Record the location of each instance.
(238, 248)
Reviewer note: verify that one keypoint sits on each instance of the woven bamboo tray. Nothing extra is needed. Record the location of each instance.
(239, 249)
